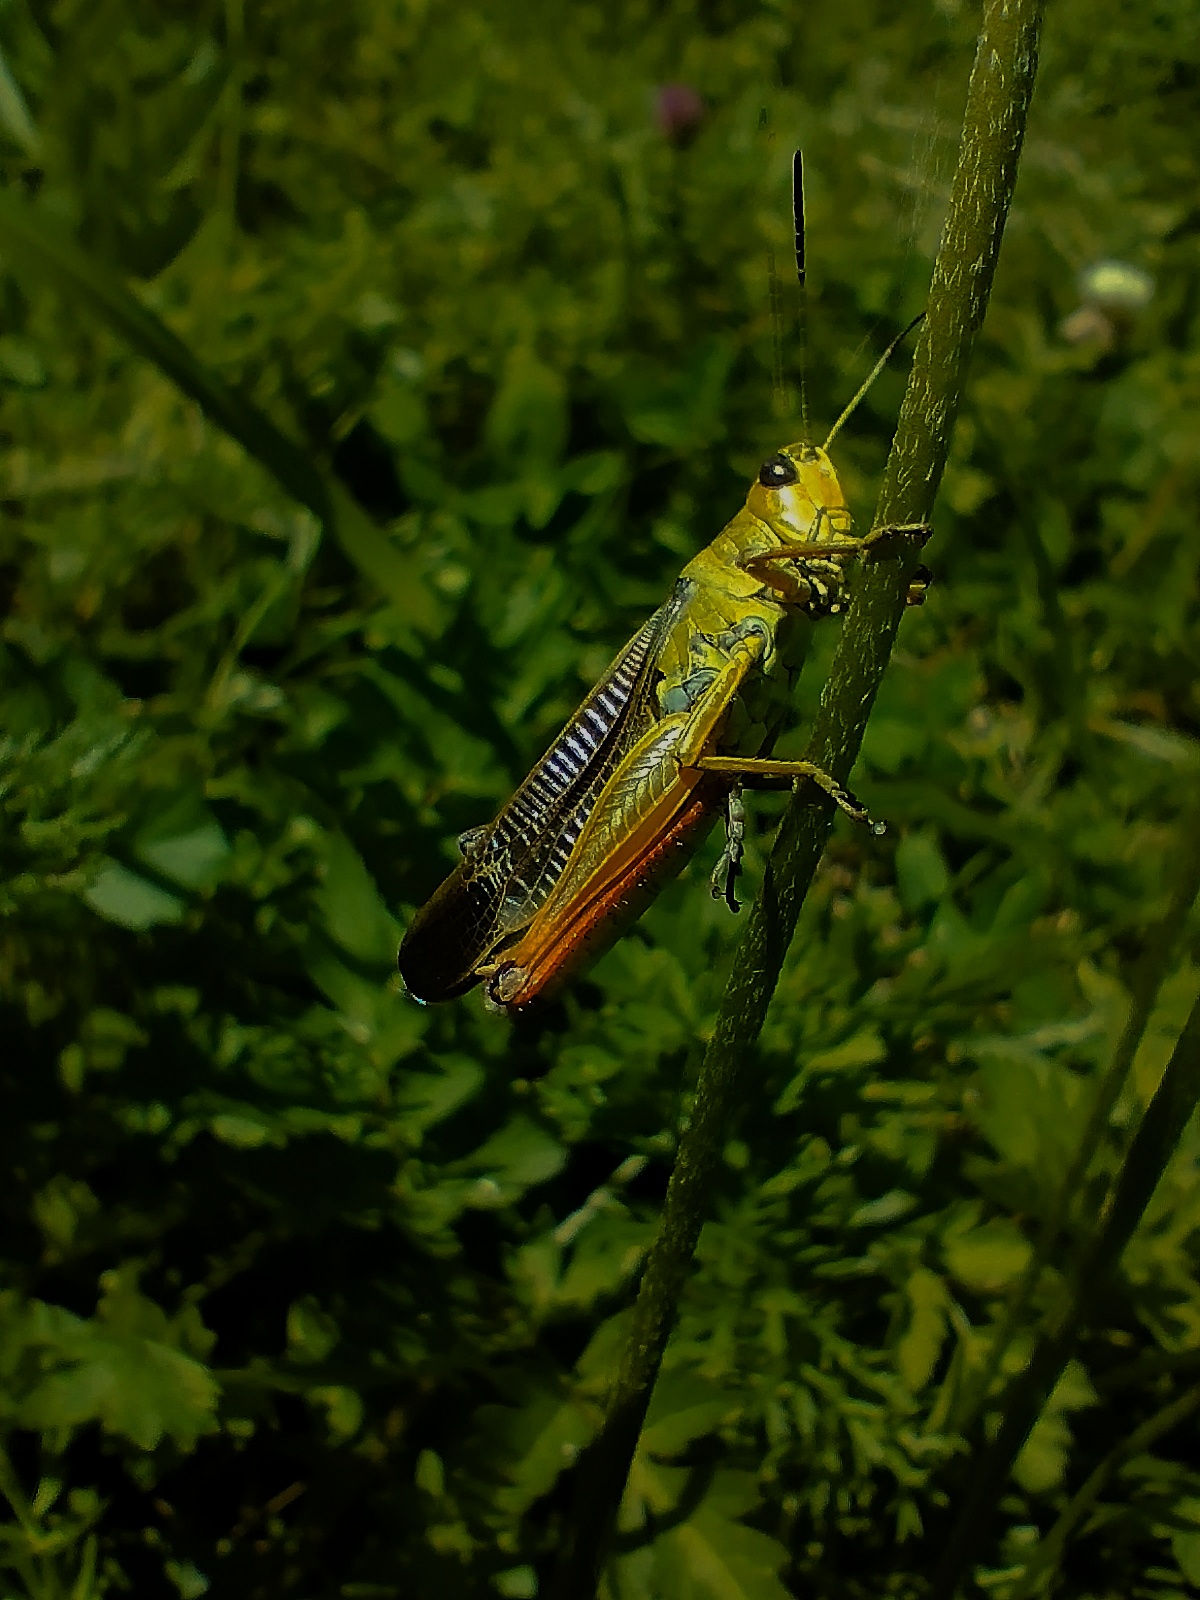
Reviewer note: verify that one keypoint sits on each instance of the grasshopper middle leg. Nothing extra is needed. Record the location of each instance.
(698, 735)
(746, 770)
(725, 873)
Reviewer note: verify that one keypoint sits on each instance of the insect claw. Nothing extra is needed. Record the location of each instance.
(918, 586)
(724, 875)
(853, 807)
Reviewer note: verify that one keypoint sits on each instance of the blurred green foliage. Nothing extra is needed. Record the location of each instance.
(307, 1291)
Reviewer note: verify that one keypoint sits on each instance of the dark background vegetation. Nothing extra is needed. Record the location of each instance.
(308, 1291)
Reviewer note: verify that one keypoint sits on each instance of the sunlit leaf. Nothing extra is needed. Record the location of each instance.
(132, 901)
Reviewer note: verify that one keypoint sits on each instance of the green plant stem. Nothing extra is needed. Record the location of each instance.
(231, 121)
(1047, 1553)
(34, 1571)
(1147, 980)
(1150, 1149)
(33, 244)
(993, 127)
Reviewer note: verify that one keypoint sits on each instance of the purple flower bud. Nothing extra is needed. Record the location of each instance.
(679, 111)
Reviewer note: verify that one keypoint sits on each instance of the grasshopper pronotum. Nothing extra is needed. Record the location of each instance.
(682, 721)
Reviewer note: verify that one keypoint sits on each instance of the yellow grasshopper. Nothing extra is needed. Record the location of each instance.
(683, 720)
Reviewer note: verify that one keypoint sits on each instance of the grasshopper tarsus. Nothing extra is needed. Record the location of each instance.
(919, 531)
(845, 800)
(724, 876)
(729, 864)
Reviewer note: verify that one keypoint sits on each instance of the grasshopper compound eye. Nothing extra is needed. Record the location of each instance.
(777, 472)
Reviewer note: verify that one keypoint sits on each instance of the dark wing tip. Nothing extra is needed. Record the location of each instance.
(448, 938)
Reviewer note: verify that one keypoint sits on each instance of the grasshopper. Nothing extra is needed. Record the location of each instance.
(682, 721)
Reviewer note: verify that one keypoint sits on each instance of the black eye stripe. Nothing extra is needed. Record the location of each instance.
(777, 472)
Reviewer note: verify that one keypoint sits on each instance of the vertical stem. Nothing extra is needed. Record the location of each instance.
(1146, 982)
(231, 122)
(24, 1561)
(993, 127)
(1166, 1116)
(1047, 1553)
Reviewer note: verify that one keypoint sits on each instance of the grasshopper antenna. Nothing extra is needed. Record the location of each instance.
(874, 373)
(779, 393)
(798, 221)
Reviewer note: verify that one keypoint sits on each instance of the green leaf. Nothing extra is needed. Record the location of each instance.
(61, 1207)
(921, 1343)
(430, 1474)
(20, 362)
(604, 1256)
(889, 742)
(343, 1408)
(889, 1207)
(520, 1155)
(989, 1258)
(922, 875)
(862, 1049)
(426, 1098)
(683, 1408)
(517, 1583)
(131, 901)
(243, 1133)
(185, 842)
(187, 1578)
(711, 1556)
(1185, 1547)
(1028, 1106)
(400, 414)
(537, 1441)
(123, 1369)
(527, 421)
(1042, 1462)
(311, 1332)
(354, 914)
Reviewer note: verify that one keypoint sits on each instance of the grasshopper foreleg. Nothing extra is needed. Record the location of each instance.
(728, 867)
(919, 531)
(918, 586)
(811, 581)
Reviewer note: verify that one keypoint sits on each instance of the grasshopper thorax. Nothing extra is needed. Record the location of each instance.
(798, 496)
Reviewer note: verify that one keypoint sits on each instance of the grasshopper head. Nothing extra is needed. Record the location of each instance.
(798, 495)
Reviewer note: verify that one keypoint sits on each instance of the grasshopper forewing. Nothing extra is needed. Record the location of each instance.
(684, 718)
(509, 868)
